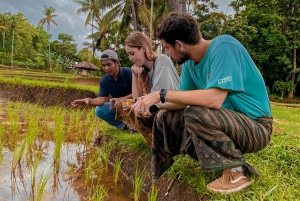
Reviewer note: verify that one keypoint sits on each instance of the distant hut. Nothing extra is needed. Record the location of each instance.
(86, 67)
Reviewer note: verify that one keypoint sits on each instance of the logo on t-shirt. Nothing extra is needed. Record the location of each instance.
(226, 79)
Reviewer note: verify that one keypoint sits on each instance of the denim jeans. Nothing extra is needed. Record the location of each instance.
(108, 115)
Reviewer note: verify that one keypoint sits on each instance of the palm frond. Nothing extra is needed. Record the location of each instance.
(297, 70)
(112, 14)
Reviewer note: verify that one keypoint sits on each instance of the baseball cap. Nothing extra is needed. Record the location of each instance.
(109, 54)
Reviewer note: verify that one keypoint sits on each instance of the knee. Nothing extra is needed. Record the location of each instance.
(198, 113)
(99, 112)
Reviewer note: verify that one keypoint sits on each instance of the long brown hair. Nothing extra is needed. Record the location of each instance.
(138, 40)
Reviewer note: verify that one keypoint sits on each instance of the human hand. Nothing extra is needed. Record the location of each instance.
(80, 102)
(141, 107)
(137, 70)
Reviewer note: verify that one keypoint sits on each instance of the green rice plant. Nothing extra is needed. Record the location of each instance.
(18, 154)
(12, 118)
(88, 171)
(27, 142)
(90, 132)
(59, 135)
(48, 84)
(138, 183)
(33, 172)
(71, 125)
(99, 193)
(26, 110)
(152, 195)
(104, 153)
(117, 169)
(41, 186)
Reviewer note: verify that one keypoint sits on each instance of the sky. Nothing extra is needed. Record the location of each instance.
(68, 20)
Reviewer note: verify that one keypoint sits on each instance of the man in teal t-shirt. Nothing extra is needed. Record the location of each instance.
(221, 109)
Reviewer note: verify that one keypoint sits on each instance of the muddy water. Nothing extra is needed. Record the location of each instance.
(65, 180)
(17, 186)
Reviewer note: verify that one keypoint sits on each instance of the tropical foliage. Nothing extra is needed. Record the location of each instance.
(270, 31)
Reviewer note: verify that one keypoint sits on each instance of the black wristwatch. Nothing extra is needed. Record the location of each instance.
(163, 95)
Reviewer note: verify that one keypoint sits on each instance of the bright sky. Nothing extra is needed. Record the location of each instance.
(68, 20)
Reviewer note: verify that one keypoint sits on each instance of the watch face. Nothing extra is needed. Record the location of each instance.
(163, 91)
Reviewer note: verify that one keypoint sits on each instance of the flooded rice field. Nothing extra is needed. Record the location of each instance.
(46, 154)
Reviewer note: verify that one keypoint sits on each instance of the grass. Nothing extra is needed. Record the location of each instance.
(278, 163)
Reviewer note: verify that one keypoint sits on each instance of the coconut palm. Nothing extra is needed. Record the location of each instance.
(4, 19)
(14, 20)
(49, 15)
(128, 11)
(94, 11)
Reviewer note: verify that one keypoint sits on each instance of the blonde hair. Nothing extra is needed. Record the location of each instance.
(138, 40)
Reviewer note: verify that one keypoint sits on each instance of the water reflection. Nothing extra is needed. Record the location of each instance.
(67, 181)
(29, 171)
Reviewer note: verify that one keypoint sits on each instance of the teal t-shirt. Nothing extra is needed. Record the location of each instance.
(228, 65)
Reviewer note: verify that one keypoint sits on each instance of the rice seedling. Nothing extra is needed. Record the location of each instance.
(88, 172)
(26, 110)
(41, 186)
(152, 195)
(117, 169)
(32, 133)
(138, 183)
(12, 118)
(59, 135)
(33, 172)
(48, 84)
(99, 193)
(104, 153)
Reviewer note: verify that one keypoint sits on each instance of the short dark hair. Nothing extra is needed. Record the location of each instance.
(179, 26)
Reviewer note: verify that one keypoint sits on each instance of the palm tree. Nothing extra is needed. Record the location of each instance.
(129, 11)
(4, 19)
(13, 24)
(49, 15)
(94, 11)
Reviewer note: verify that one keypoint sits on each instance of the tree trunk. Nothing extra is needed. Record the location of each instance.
(176, 5)
(12, 49)
(93, 49)
(49, 58)
(291, 93)
(135, 27)
(3, 43)
(151, 23)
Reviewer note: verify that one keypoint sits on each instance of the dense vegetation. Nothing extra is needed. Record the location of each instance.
(268, 29)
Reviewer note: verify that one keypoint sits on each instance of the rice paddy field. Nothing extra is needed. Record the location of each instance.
(48, 152)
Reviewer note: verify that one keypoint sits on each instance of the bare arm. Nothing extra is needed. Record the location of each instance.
(135, 84)
(211, 98)
(88, 101)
